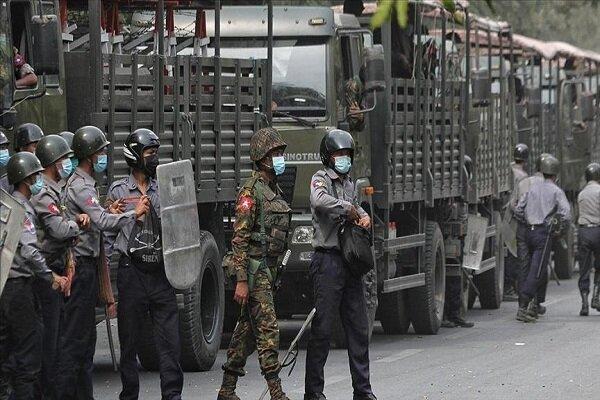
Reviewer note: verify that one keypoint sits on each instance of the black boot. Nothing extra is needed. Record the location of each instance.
(522, 314)
(596, 295)
(532, 309)
(585, 308)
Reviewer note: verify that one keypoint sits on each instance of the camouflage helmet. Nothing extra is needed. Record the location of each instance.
(592, 172)
(26, 134)
(521, 152)
(264, 141)
(550, 165)
(22, 165)
(538, 161)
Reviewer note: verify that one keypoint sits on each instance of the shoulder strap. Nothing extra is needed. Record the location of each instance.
(263, 235)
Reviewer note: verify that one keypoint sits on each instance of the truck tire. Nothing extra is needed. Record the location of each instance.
(491, 283)
(393, 313)
(564, 259)
(426, 303)
(201, 318)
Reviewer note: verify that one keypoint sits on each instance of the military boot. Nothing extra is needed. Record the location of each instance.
(227, 391)
(275, 389)
(585, 308)
(532, 309)
(523, 315)
(596, 295)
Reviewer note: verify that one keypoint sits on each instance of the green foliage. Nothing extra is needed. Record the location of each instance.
(387, 8)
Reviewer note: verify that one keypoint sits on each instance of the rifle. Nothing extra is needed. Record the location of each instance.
(292, 353)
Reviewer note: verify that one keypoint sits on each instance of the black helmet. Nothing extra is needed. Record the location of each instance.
(52, 148)
(22, 165)
(135, 144)
(538, 161)
(26, 134)
(592, 172)
(550, 165)
(334, 140)
(87, 141)
(3, 139)
(521, 152)
(68, 136)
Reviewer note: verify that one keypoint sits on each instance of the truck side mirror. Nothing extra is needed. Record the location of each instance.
(373, 69)
(481, 86)
(44, 32)
(587, 106)
(534, 102)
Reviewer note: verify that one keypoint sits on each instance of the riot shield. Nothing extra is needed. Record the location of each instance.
(509, 232)
(179, 220)
(12, 214)
(474, 242)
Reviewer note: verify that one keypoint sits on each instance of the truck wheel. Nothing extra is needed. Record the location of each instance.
(564, 259)
(426, 303)
(201, 318)
(338, 335)
(491, 283)
(393, 313)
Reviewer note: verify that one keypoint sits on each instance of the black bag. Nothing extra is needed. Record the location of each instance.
(145, 243)
(355, 245)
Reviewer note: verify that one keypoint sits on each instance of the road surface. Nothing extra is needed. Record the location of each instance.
(500, 358)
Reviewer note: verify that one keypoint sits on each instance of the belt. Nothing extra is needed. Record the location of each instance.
(589, 226)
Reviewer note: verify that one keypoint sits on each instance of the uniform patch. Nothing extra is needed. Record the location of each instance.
(28, 225)
(92, 201)
(318, 183)
(53, 208)
(245, 204)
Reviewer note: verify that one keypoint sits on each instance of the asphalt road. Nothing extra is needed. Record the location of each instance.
(556, 358)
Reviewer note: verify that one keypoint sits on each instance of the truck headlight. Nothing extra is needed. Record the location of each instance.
(303, 235)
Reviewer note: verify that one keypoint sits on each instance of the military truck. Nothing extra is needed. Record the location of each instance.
(557, 113)
(421, 121)
(202, 107)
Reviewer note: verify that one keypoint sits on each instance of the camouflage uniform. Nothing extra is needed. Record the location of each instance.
(353, 93)
(257, 325)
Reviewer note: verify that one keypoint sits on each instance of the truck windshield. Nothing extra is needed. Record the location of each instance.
(6, 71)
(299, 71)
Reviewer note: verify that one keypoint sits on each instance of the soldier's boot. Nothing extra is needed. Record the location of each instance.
(227, 391)
(275, 389)
(523, 315)
(596, 295)
(585, 308)
(532, 310)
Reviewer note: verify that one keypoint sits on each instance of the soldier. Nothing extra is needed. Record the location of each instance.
(4, 157)
(20, 325)
(56, 234)
(77, 333)
(544, 210)
(143, 286)
(511, 272)
(262, 222)
(27, 136)
(588, 238)
(336, 290)
(353, 99)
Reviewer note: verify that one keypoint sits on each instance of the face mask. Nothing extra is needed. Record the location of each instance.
(4, 156)
(37, 186)
(101, 163)
(279, 165)
(66, 168)
(74, 162)
(342, 164)
(150, 164)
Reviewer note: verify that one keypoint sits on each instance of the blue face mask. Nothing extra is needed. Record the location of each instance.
(66, 168)
(37, 186)
(74, 162)
(278, 165)
(4, 156)
(101, 163)
(342, 164)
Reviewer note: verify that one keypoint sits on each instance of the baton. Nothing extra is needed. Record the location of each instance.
(111, 344)
(550, 227)
(280, 269)
(292, 352)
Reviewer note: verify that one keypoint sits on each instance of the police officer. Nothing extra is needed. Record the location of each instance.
(4, 156)
(588, 239)
(56, 234)
(545, 210)
(511, 271)
(336, 290)
(27, 136)
(143, 286)
(68, 136)
(20, 324)
(262, 221)
(77, 334)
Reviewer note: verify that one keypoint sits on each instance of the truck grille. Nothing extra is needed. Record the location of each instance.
(287, 182)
